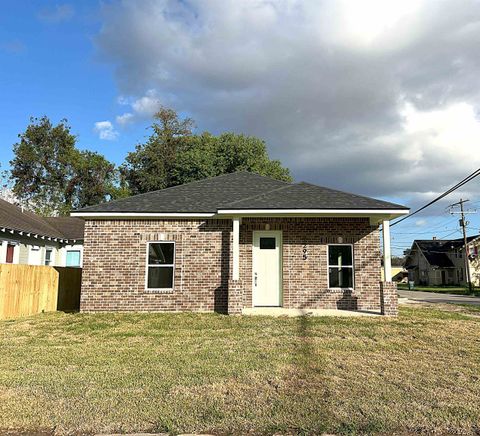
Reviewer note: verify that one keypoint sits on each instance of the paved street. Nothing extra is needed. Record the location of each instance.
(431, 297)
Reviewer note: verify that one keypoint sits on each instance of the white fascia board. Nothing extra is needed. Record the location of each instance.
(390, 213)
(324, 212)
(107, 215)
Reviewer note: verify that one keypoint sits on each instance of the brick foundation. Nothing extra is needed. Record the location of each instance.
(388, 299)
(115, 264)
(235, 297)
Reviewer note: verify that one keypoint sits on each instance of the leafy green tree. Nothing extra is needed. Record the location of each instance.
(42, 165)
(52, 176)
(95, 181)
(174, 155)
(151, 165)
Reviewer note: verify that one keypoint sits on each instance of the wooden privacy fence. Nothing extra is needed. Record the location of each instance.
(28, 289)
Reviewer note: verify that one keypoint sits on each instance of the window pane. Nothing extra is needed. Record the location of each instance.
(340, 255)
(48, 257)
(73, 258)
(160, 277)
(340, 277)
(160, 253)
(267, 243)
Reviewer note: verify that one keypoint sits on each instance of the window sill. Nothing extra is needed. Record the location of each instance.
(340, 290)
(158, 291)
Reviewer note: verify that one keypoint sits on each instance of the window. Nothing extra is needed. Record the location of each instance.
(267, 243)
(340, 266)
(73, 258)
(48, 256)
(160, 265)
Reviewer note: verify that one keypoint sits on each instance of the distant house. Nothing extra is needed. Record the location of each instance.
(438, 262)
(26, 238)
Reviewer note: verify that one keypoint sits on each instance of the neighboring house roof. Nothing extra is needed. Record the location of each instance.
(14, 218)
(70, 227)
(238, 191)
(436, 250)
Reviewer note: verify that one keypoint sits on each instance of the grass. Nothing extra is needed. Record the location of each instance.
(457, 290)
(177, 373)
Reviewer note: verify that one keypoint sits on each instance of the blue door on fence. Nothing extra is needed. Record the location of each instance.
(73, 258)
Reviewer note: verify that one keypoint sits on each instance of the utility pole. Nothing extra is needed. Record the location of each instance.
(463, 225)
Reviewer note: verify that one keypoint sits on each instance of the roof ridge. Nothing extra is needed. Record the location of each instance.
(288, 185)
(181, 185)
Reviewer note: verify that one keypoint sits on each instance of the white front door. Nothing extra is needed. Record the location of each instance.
(267, 268)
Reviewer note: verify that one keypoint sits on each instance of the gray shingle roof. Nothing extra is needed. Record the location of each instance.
(240, 190)
(13, 218)
(307, 196)
(69, 227)
(435, 250)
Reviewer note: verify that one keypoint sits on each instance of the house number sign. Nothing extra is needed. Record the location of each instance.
(305, 253)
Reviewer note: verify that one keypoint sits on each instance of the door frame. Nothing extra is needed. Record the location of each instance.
(279, 235)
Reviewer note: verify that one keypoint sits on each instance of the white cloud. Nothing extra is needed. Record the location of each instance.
(420, 223)
(148, 104)
(378, 97)
(141, 108)
(105, 130)
(125, 119)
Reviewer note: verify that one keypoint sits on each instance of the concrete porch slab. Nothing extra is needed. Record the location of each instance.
(280, 311)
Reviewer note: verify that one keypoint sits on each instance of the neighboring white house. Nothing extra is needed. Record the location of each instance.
(26, 238)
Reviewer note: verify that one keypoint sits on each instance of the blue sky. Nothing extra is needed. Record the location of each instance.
(50, 66)
(379, 98)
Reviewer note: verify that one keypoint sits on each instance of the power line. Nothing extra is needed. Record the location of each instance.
(449, 191)
(423, 233)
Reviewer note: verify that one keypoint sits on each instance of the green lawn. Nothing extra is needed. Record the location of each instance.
(175, 373)
(458, 290)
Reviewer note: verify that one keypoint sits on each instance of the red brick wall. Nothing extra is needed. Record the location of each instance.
(115, 256)
(114, 265)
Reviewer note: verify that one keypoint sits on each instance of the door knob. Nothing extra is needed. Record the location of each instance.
(256, 277)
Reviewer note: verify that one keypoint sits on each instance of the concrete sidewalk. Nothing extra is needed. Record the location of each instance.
(435, 297)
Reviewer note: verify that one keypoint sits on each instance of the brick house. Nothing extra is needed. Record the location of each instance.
(237, 242)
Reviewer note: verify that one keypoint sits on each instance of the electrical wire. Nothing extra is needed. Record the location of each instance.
(449, 191)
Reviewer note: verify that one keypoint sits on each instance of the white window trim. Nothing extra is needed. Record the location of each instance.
(147, 265)
(16, 251)
(345, 266)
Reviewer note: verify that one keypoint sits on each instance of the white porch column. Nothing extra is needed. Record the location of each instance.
(387, 260)
(236, 249)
